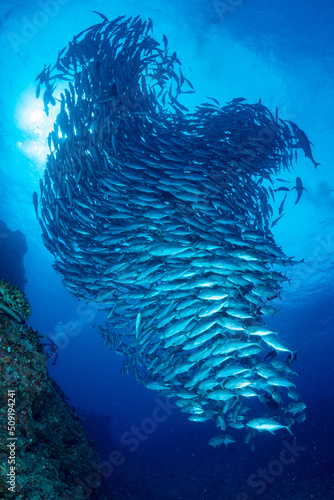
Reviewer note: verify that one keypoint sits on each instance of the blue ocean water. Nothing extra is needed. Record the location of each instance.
(283, 54)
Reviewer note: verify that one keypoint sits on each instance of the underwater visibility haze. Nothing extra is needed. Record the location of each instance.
(167, 210)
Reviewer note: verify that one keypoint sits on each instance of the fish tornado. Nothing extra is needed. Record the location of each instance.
(163, 216)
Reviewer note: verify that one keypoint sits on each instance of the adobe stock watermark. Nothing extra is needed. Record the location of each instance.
(223, 7)
(47, 9)
(263, 477)
(322, 254)
(86, 313)
(131, 439)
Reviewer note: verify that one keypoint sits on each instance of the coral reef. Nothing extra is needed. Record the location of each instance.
(53, 453)
(13, 246)
(13, 302)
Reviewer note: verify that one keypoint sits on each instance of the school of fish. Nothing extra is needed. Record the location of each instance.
(162, 216)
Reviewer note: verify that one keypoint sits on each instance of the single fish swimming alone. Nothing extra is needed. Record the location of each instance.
(267, 424)
(303, 143)
(299, 188)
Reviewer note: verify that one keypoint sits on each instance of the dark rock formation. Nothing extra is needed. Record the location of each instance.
(50, 455)
(13, 246)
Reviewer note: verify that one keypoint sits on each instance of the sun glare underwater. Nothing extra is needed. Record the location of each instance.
(166, 244)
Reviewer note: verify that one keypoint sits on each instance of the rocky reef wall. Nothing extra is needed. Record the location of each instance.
(45, 453)
(13, 246)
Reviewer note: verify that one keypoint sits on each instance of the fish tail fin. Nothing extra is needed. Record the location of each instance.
(288, 428)
(105, 19)
(291, 357)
